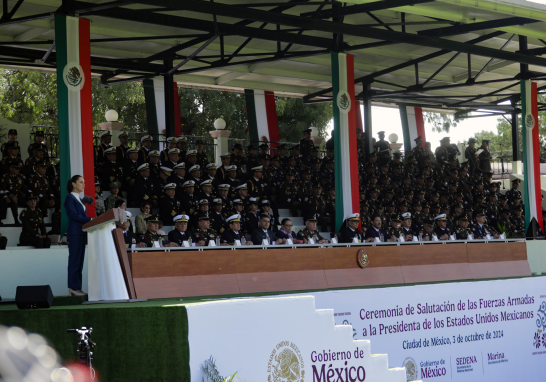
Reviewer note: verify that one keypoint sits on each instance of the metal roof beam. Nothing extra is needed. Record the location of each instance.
(472, 27)
(362, 8)
(224, 28)
(346, 29)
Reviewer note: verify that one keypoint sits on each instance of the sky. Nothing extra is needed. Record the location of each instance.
(388, 120)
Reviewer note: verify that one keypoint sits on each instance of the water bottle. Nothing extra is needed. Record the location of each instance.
(189, 240)
(217, 241)
(381, 238)
(243, 240)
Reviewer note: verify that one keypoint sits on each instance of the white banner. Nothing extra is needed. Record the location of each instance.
(472, 331)
(281, 339)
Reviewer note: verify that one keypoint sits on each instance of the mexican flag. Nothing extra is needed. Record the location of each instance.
(531, 154)
(262, 117)
(345, 150)
(74, 103)
(154, 97)
(413, 126)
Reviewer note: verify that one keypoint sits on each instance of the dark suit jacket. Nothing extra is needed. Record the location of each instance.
(178, 237)
(258, 235)
(371, 232)
(76, 216)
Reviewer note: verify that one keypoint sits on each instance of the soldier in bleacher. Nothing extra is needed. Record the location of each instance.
(143, 153)
(221, 173)
(291, 167)
(172, 158)
(252, 216)
(195, 174)
(111, 170)
(121, 150)
(153, 160)
(231, 179)
(180, 233)
(211, 175)
(237, 158)
(218, 216)
(169, 205)
(110, 201)
(310, 231)
(30, 163)
(288, 194)
(130, 172)
(241, 192)
(105, 140)
(255, 184)
(40, 187)
(317, 206)
(481, 230)
(181, 145)
(34, 230)
(144, 189)
(162, 180)
(306, 144)
(164, 156)
(233, 234)
(11, 158)
(12, 137)
(206, 191)
(38, 142)
(513, 191)
(203, 234)
(252, 159)
(265, 206)
(202, 159)
(11, 186)
(223, 194)
(190, 203)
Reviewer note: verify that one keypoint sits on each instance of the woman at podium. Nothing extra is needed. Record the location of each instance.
(77, 238)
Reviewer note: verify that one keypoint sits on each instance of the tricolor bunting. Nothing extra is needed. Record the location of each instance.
(262, 116)
(345, 149)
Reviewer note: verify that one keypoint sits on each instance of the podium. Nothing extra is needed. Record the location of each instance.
(109, 276)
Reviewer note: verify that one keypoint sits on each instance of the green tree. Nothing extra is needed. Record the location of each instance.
(440, 121)
(200, 108)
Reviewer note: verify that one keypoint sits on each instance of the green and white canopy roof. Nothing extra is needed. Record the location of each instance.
(406, 49)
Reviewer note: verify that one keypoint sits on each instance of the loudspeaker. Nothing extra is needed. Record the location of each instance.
(33, 297)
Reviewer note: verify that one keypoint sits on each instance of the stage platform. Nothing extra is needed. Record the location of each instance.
(136, 341)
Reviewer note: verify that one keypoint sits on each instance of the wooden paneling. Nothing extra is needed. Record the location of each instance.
(343, 278)
(161, 274)
(279, 260)
(183, 263)
(281, 281)
(186, 286)
(121, 250)
(345, 257)
(433, 254)
(494, 252)
(435, 272)
(500, 269)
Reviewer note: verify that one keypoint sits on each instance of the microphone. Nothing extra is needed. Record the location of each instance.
(88, 200)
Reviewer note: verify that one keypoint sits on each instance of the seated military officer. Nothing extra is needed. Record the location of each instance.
(172, 158)
(144, 152)
(144, 190)
(203, 235)
(310, 231)
(111, 171)
(462, 230)
(427, 233)
(11, 158)
(169, 205)
(171, 144)
(350, 232)
(441, 229)
(38, 183)
(12, 137)
(481, 230)
(233, 235)
(11, 191)
(180, 233)
(263, 232)
(151, 238)
(34, 230)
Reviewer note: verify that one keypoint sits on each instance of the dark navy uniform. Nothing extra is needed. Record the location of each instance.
(346, 235)
(229, 236)
(33, 225)
(175, 236)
